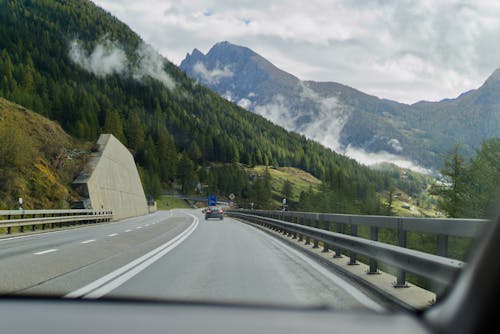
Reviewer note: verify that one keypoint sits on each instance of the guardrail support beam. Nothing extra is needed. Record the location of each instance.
(443, 245)
(373, 265)
(354, 233)
(401, 274)
(339, 228)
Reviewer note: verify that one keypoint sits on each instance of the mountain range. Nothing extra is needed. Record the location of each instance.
(87, 71)
(365, 127)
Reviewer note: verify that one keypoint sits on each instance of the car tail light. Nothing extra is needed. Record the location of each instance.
(220, 211)
(209, 211)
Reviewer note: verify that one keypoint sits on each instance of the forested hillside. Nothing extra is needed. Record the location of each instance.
(49, 62)
(38, 160)
(355, 121)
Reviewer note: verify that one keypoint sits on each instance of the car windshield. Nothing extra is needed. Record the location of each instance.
(329, 153)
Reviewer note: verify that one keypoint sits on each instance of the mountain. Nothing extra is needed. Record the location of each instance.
(345, 119)
(79, 66)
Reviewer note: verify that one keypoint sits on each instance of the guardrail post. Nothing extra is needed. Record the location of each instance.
(373, 269)
(339, 228)
(401, 274)
(308, 222)
(8, 227)
(327, 228)
(21, 228)
(316, 225)
(443, 245)
(300, 220)
(294, 220)
(354, 232)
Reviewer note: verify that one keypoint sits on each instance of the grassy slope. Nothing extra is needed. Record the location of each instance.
(301, 181)
(169, 202)
(39, 159)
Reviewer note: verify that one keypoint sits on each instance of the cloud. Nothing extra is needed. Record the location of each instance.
(327, 117)
(327, 123)
(245, 103)
(406, 50)
(151, 64)
(322, 121)
(374, 158)
(395, 144)
(106, 58)
(109, 58)
(212, 76)
(278, 112)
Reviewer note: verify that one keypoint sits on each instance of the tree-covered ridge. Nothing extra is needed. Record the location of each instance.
(471, 187)
(172, 131)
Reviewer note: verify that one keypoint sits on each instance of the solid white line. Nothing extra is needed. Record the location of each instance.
(45, 251)
(112, 235)
(111, 281)
(87, 241)
(355, 293)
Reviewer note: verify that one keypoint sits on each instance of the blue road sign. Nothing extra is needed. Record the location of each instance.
(212, 200)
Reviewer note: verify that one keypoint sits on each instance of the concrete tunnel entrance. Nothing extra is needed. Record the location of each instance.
(110, 181)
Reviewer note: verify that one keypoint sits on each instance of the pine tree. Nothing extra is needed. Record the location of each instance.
(453, 191)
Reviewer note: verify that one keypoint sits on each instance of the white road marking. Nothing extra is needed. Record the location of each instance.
(45, 251)
(138, 227)
(128, 230)
(87, 241)
(355, 293)
(112, 235)
(111, 281)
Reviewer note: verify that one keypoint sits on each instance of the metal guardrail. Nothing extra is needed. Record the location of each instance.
(33, 218)
(438, 268)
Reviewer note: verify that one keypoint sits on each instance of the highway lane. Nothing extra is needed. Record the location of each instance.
(230, 261)
(172, 255)
(60, 261)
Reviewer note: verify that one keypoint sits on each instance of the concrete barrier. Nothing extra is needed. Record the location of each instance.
(111, 181)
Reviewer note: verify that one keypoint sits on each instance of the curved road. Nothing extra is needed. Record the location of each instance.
(172, 255)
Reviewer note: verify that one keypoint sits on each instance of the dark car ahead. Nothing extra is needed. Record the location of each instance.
(214, 212)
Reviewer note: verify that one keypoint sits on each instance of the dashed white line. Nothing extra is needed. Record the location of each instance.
(112, 235)
(128, 230)
(111, 281)
(138, 227)
(87, 241)
(45, 251)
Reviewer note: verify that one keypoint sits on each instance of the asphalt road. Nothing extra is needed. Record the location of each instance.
(172, 255)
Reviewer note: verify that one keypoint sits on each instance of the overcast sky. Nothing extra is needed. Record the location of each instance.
(404, 50)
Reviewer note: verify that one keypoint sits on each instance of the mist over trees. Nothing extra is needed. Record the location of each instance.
(179, 132)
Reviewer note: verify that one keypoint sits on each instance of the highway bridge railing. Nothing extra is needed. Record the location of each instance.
(20, 219)
(330, 230)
